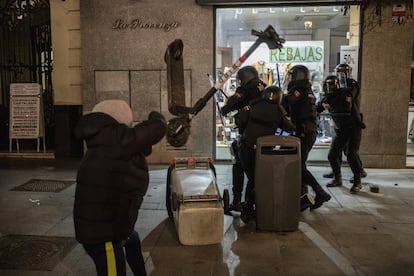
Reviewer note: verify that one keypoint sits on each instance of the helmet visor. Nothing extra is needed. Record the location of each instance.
(342, 79)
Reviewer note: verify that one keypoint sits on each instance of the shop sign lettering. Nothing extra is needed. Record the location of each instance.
(121, 24)
(297, 54)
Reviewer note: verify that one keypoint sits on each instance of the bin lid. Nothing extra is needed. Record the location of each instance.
(195, 182)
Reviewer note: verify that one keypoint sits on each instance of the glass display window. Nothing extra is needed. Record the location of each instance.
(319, 37)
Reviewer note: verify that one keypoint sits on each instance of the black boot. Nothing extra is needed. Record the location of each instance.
(320, 198)
(336, 182)
(236, 205)
(306, 201)
(363, 174)
(356, 187)
(248, 213)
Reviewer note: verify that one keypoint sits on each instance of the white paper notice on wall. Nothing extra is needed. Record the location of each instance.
(349, 55)
(26, 112)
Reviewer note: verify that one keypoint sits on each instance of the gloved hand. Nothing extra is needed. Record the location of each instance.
(154, 115)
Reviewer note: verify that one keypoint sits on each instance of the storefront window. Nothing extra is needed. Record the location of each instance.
(319, 37)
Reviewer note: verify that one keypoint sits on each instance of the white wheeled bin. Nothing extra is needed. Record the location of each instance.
(194, 202)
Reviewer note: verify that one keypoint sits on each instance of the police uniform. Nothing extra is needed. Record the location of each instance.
(262, 117)
(300, 102)
(246, 92)
(344, 71)
(339, 102)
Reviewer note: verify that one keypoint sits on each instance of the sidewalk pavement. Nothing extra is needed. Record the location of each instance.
(364, 234)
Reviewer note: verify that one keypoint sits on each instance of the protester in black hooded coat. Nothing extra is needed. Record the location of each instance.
(112, 180)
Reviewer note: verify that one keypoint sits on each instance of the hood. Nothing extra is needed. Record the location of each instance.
(117, 109)
(91, 124)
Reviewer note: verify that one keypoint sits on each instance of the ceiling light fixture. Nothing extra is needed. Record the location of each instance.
(308, 25)
(254, 11)
(272, 10)
(285, 10)
(335, 9)
(302, 9)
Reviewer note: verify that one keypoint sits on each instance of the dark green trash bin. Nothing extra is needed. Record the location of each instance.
(277, 183)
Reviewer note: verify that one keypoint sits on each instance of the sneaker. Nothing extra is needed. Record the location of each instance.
(328, 175)
(334, 183)
(320, 199)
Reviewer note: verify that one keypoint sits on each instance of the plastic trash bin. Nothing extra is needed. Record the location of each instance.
(277, 183)
(194, 202)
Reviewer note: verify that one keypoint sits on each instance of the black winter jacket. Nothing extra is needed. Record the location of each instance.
(113, 176)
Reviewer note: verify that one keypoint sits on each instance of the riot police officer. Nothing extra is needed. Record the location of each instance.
(343, 72)
(249, 88)
(300, 102)
(338, 101)
(261, 117)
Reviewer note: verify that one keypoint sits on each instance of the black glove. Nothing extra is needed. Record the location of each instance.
(154, 115)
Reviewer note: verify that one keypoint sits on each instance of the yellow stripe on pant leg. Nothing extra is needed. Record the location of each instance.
(110, 259)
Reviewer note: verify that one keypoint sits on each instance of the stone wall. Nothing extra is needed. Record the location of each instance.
(123, 46)
(129, 63)
(385, 88)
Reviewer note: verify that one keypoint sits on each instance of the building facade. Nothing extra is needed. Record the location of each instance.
(105, 49)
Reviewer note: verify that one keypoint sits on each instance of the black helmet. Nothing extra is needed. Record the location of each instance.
(299, 72)
(246, 74)
(331, 84)
(345, 69)
(272, 94)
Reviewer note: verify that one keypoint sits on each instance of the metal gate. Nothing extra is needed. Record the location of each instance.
(25, 55)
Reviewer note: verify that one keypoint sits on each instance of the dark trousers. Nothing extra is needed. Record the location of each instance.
(238, 179)
(349, 138)
(306, 143)
(109, 257)
(237, 170)
(355, 142)
(247, 158)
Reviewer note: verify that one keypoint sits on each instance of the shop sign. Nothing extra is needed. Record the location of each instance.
(349, 55)
(308, 53)
(297, 54)
(121, 24)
